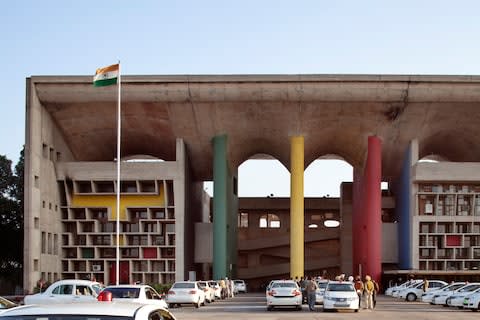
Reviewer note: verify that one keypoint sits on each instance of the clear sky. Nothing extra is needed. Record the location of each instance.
(228, 37)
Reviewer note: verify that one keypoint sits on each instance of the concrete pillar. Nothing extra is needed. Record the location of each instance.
(373, 209)
(220, 207)
(296, 207)
(358, 245)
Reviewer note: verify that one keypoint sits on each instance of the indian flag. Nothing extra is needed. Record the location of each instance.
(106, 76)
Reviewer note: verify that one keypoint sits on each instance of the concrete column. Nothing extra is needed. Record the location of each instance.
(220, 207)
(358, 245)
(373, 209)
(296, 207)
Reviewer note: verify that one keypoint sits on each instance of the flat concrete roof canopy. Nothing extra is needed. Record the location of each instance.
(259, 113)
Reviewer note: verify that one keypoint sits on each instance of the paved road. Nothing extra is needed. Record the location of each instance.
(253, 306)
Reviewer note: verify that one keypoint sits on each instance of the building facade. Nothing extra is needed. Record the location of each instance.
(203, 128)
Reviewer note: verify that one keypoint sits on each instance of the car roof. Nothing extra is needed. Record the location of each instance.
(112, 308)
(75, 281)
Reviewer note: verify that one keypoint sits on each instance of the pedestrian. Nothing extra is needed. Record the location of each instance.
(311, 289)
(359, 288)
(375, 292)
(369, 288)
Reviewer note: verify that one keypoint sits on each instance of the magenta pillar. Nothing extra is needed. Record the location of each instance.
(372, 222)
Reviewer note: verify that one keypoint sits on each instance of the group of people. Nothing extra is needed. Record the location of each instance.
(367, 290)
(228, 288)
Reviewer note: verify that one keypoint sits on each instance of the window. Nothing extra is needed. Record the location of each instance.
(63, 289)
(269, 220)
(243, 220)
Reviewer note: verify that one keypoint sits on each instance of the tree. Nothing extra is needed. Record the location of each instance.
(11, 219)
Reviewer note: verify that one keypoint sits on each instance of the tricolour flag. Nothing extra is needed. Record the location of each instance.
(106, 76)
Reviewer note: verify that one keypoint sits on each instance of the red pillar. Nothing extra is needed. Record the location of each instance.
(372, 221)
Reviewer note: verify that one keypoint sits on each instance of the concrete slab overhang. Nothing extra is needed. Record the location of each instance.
(335, 113)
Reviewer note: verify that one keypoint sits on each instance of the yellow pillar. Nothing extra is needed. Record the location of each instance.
(296, 207)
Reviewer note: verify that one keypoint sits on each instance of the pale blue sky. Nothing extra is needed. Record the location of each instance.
(228, 37)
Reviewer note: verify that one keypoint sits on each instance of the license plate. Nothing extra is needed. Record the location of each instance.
(340, 305)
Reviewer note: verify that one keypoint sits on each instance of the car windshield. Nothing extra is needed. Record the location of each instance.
(283, 285)
(341, 287)
(322, 285)
(183, 285)
(124, 292)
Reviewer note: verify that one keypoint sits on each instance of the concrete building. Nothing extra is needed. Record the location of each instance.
(204, 127)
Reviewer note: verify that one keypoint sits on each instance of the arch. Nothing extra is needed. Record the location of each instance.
(271, 178)
(141, 158)
(325, 171)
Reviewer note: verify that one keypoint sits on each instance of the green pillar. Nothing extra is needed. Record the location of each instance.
(220, 207)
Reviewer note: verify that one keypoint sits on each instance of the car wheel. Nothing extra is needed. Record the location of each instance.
(299, 308)
(356, 310)
(269, 308)
(447, 303)
(171, 305)
(411, 297)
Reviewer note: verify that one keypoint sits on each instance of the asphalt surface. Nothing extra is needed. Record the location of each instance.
(253, 306)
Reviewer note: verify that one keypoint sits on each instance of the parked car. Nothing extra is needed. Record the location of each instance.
(185, 292)
(135, 293)
(389, 291)
(64, 291)
(414, 292)
(408, 284)
(283, 293)
(209, 291)
(6, 304)
(90, 310)
(457, 299)
(240, 286)
(340, 295)
(472, 301)
(442, 297)
(428, 296)
(322, 284)
(216, 289)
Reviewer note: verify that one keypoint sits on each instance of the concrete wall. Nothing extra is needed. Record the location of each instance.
(44, 149)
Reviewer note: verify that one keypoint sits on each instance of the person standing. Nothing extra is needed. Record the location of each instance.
(369, 290)
(359, 288)
(311, 289)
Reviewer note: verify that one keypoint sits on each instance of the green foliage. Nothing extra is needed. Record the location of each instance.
(161, 287)
(11, 219)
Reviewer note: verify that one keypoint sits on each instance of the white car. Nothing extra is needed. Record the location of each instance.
(240, 286)
(284, 293)
(457, 299)
(416, 291)
(472, 301)
(406, 285)
(135, 293)
(66, 291)
(186, 292)
(428, 296)
(90, 310)
(322, 284)
(442, 297)
(216, 289)
(340, 295)
(209, 291)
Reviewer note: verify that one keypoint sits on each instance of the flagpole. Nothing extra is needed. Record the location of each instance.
(117, 266)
